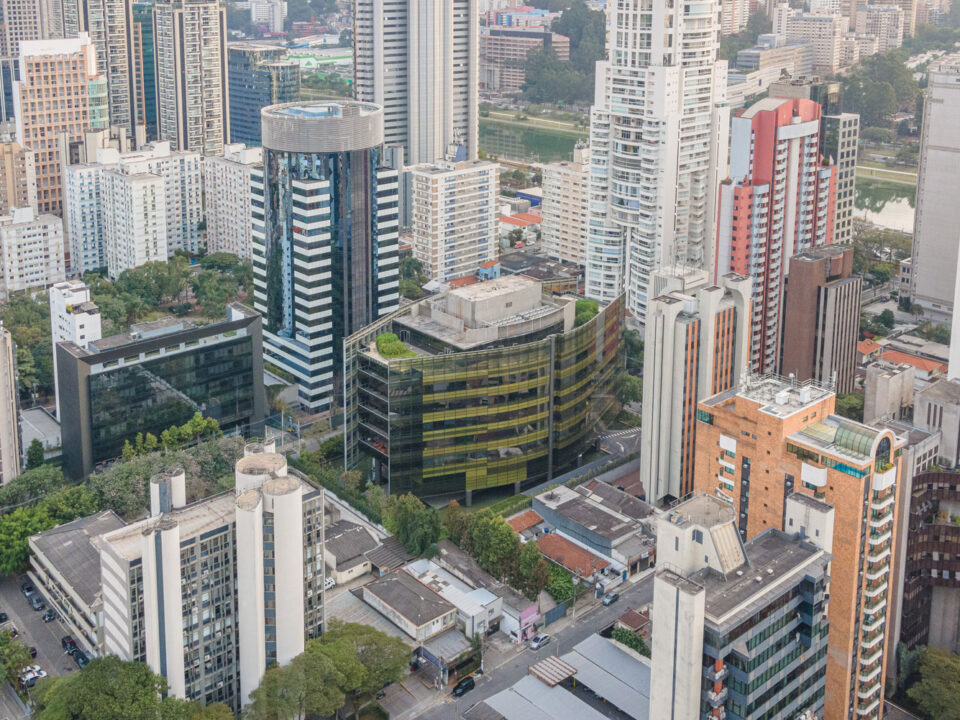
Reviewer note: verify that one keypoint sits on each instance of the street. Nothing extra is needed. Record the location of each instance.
(621, 442)
(565, 634)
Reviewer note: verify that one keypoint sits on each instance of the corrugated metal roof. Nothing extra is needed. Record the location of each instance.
(552, 670)
(613, 674)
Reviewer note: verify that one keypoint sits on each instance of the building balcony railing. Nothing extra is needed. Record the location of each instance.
(714, 675)
(870, 657)
(716, 699)
(869, 709)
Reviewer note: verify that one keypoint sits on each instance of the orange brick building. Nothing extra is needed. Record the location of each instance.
(770, 437)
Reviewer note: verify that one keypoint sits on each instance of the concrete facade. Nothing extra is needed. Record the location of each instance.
(73, 318)
(821, 317)
(9, 410)
(226, 183)
(565, 208)
(31, 251)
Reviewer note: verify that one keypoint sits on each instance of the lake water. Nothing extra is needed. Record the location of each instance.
(510, 142)
(887, 205)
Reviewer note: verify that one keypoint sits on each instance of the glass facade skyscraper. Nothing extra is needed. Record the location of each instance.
(258, 76)
(325, 234)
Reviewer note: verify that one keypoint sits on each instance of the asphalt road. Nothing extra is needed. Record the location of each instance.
(621, 442)
(594, 619)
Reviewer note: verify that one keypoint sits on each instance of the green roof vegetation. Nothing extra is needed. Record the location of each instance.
(390, 346)
(586, 310)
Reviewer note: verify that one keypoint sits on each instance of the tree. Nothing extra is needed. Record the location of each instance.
(495, 545)
(415, 525)
(26, 370)
(633, 349)
(14, 656)
(937, 693)
(308, 686)
(367, 658)
(628, 388)
(561, 586)
(632, 640)
(34, 454)
(410, 289)
(585, 311)
(515, 236)
(456, 521)
(533, 571)
(106, 689)
(850, 405)
(887, 318)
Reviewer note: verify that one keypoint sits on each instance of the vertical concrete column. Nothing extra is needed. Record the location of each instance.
(163, 604)
(250, 602)
(283, 497)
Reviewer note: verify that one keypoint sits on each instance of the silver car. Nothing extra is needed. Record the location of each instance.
(539, 640)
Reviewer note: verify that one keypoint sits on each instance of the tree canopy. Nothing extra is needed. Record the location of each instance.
(881, 85)
(937, 693)
(415, 525)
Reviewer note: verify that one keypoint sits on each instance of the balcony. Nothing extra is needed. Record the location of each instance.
(868, 658)
(874, 589)
(716, 699)
(868, 710)
(714, 675)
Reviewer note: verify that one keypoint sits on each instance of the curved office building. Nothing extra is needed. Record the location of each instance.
(485, 386)
(324, 237)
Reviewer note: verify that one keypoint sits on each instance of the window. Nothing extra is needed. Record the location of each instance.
(698, 536)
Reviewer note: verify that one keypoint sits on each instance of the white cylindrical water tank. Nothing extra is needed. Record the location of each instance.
(253, 470)
(168, 491)
(163, 604)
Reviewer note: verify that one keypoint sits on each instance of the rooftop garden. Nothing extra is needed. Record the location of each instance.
(390, 347)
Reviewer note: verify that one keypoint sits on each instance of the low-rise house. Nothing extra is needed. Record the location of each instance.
(410, 605)
(519, 614)
(344, 552)
(478, 609)
(602, 519)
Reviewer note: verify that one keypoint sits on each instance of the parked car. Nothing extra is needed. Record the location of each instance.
(68, 644)
(33, 651)
(3, 617)
(80, 658)
(610, 598)
(50, 615)
(329, 583)
(27, 589)
(464, 686)
(539, 640)
(36, 602)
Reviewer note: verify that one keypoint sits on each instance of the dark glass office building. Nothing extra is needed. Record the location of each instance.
(146, 66)
(158, 375)
(325, 236)
(258, 76)
(493, 386)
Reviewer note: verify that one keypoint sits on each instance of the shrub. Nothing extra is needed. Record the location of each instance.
(586, 310)
(390, 346)
(632, 640)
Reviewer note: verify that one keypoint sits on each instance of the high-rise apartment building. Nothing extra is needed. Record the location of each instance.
(734, 15)
(771, 437)
(910, 22)
(31, 251)
(209, 594)
(73, 318)
(839, 135)
(134, 213)
(778, 200)
(9, 409)
(565, 208)
(658, 138)
(740, 627)
(111, 26)
(145, 67)
(59, 94)
(504, 50)
(419, 62)
(821, 317)
(260, 75)
(191, 61)
(936, 229)
(139, 179)
(696, 344)
(824, 33)
(226, 184)
(270, 13)
(325, 236)
(18, 177)
(21, 21)
(885, 22)
(455, 217)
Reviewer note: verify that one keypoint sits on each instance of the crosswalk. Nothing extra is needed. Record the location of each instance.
(618, 433)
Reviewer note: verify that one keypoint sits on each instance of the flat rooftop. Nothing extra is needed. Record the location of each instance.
(775, 562)
(70, 550)
(409, 597)
(841, 437)
(703, 510)
(143, 331)
(776, 395)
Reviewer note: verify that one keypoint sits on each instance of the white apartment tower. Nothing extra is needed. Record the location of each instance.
(86, 198)
(111, 28)
(191, 66)
(658, 141)
(134, 220)
(455, 217)
(73, 318)
(419, 60)
(211, 593)
(565, 207)
(885, 22)
(226, 180)
(31, 251)
(9, 410)
(936, 232)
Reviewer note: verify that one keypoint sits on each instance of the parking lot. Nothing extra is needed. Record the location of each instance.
(45, 637)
